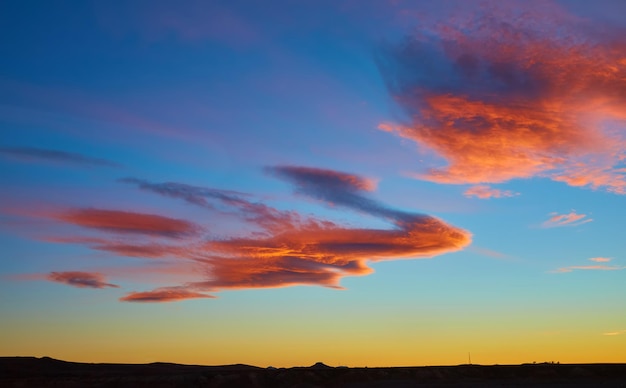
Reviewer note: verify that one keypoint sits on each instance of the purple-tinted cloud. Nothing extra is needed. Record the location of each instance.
(81, 279)
(49, 155)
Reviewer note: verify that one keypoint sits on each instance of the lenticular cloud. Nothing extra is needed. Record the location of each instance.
(285, 248)
(514, 93)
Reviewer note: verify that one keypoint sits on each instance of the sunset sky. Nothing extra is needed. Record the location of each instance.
(363, 183)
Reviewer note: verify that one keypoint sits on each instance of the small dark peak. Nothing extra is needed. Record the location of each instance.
(320, 365)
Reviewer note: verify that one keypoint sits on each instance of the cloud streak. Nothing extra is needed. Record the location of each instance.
(614, 333)
(81, 279)
(512, 93)
(128, 222)
(165, 294)
(594, 267)
(49, 155)
(570, 219)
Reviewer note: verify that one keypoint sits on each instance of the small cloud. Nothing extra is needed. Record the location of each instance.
(595, 267)
(80, 279)
(562, 270)
(48, 155)
(165, 294)
(490, 253)
(569, 219)
(486, 192)
(309, 178)
(614, 333)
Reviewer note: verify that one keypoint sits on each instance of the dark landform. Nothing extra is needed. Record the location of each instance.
(26, 372)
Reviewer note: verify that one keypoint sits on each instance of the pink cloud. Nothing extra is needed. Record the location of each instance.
(511, 93)
(486, 192)
(600, 259)
(570, 219)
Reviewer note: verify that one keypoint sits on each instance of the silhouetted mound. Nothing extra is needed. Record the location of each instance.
(46, 372)
(320, 365)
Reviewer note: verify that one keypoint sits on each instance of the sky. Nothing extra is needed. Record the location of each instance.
(361, 183)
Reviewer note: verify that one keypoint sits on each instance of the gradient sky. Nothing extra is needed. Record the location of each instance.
(363, 183)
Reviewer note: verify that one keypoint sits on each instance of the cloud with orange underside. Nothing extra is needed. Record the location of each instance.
(283, 248)
(486, 192)
(324, 255)
(292, 249)
(81, 279)
(513, 93)
(569, 219)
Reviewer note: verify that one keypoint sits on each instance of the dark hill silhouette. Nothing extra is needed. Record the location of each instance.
(27, 372)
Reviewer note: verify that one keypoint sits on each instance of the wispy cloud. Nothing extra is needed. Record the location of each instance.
(49, 155)
(613, 333)
(286, 249)
(165, 294)
(80, 279)
(190, 21)
(593, 267)
(486, 192)
(513, 92)
(193, 194)
(570, 219)
(127, 222)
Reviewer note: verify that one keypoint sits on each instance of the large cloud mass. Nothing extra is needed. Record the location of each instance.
(508, 94)
(285, 248)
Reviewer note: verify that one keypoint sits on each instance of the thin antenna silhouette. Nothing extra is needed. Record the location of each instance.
(469, 357)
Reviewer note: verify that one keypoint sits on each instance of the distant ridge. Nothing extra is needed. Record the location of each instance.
(46, 372)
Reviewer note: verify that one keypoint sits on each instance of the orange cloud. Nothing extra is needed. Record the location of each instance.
(569, 219)
(514, 94)
(171, 294)
(128, 222)
(323, 255)
(287, 249)
(80, 279)
(486, 192)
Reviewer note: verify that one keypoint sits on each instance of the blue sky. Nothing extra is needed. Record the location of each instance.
(338, 181)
